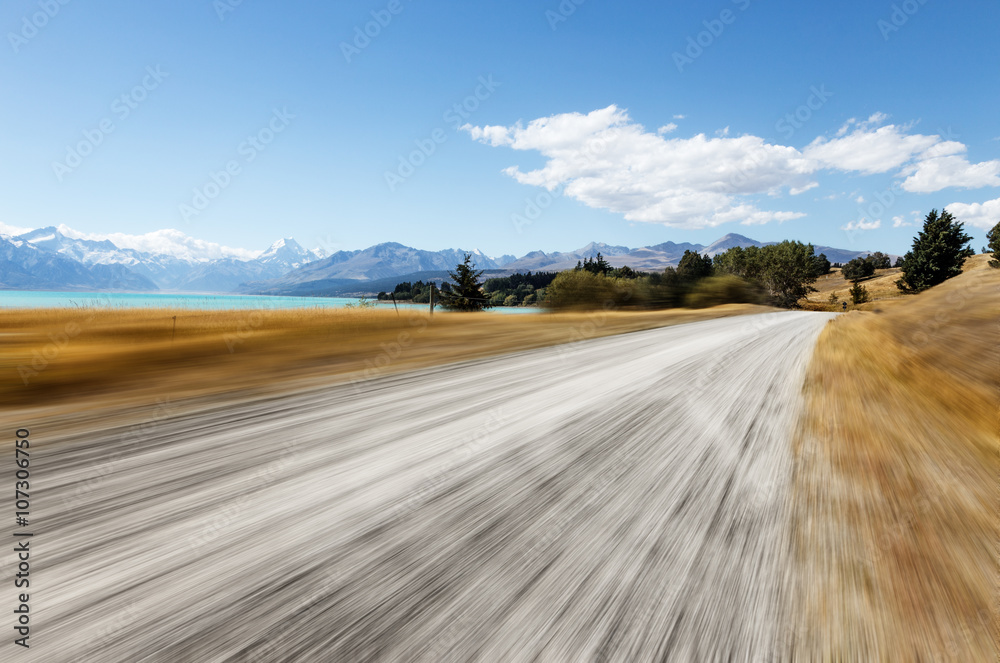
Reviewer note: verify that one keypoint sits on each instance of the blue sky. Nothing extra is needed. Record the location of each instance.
(630, 122)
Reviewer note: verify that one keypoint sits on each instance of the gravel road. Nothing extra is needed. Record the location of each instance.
(622, 498)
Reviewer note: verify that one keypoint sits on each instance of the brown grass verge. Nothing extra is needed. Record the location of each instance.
(79, 358)
(896, 486)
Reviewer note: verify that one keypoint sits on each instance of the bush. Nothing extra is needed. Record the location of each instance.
(859, 294)
(510, 300)
(879, 260)
(582, 289)
(858, 269)
(785, 271)
(718, 290)
(821, 264)
(664, 290)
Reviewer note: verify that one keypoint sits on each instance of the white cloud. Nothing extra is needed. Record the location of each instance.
(168, 241)
(681, 117)
(860, 200)
(863, 224)
(980, 215)
(869, 152)
(941, 172)
(13, 231)
(802, 189)
(900, 222)
(607, 161)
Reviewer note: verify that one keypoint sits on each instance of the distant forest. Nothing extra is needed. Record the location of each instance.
(515, 290)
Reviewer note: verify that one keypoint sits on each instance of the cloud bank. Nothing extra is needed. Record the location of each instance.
(979, 215)
(605, 160)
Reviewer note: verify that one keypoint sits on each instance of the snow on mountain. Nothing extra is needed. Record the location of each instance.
(380, 261)
(169, 242)
(26, 266)
(228, 274)
(289, 253)
(171, 260)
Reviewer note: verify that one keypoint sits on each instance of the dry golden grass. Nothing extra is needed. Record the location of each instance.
(896, 484)
(880, 288)
(77, 358)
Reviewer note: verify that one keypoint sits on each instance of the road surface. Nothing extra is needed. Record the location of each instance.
(622, 498)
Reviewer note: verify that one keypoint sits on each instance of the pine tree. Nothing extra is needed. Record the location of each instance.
(693, 266)
(859, 294)
(994, 244)
(466, 293)
(938, 253)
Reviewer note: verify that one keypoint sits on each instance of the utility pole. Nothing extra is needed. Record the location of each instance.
(432, 298)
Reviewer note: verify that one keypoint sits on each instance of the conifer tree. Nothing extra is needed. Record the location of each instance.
(466, 293)
(938, 253)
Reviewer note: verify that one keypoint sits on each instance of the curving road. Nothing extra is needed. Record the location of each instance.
(622, 498)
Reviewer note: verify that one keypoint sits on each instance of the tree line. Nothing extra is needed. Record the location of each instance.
(777, 274)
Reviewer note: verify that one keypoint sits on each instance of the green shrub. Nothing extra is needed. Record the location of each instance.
(580, 289)
(859, 294)
(718, 290)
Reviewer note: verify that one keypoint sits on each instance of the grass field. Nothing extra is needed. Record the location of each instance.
(79, 357)
(897, 498)
(881, 287)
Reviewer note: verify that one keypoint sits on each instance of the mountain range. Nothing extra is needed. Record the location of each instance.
(59, 258)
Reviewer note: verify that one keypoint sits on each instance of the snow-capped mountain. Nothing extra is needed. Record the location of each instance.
(381, 261)
(177, 262)
(288, 253)
(168, 242)
(227, 274)
(57, 257)
(26, 266)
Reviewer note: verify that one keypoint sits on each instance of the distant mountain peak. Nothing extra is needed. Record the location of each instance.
(284, 245)
(727, 242)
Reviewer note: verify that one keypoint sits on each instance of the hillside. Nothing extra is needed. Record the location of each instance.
(881, 288)
(896, 490)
